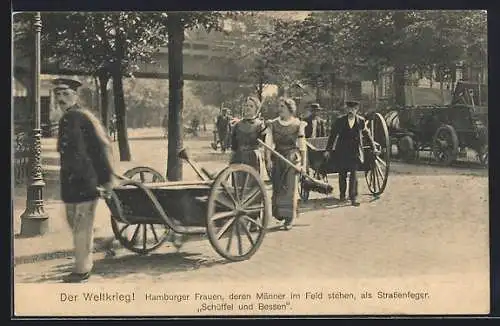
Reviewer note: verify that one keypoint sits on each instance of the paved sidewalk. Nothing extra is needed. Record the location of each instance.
(57, 242)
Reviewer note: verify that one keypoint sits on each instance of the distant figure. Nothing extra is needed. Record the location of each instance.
(223, 129)
(316, 126)
(204, 122)
(195, 125)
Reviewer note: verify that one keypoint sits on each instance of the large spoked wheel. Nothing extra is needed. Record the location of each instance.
(137, 237)
(445, 145)
(376, 177)
(238, 212)
(144, 174)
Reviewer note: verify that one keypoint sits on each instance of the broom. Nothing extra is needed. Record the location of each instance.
(308, 182)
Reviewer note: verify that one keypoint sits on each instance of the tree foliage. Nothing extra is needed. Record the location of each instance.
(333, 45)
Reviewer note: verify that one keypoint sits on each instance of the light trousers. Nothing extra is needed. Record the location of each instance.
(80, 218)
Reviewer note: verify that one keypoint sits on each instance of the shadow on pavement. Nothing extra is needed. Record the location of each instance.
(101, 244)
(152, 265)
(321, 203)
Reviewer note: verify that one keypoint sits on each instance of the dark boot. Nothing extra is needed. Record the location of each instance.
(76, 277)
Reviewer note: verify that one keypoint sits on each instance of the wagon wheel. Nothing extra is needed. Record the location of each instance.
(445, 145)
(140, 238)
(241, 211)
(145, 175)
(376, 177)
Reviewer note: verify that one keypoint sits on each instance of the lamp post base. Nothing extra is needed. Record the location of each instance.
(33, 224)
(34, 220)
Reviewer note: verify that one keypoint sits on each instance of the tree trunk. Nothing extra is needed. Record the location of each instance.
(260, 87)
(332, 91)
(399, 63)
(95, 95)
(103, 93)
(175, 30)
(318, 91)
(441, 88)
(121, 116)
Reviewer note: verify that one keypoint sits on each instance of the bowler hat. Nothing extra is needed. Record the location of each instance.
(66, 83)
(351, 103)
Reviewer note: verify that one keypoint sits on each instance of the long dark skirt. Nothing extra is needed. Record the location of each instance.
(248, 157)
(254, 159)
(285, 199)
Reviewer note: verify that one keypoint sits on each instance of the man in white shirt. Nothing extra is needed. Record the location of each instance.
(315, 124)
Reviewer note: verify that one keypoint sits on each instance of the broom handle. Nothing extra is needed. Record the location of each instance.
(284, 159)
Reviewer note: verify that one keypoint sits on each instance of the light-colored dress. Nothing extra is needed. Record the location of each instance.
(287, 138)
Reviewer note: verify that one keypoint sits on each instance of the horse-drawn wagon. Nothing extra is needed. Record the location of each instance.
(232, 209)
(375, 165)
(445, 130)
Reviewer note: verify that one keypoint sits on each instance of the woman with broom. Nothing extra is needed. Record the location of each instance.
(244, 144)
(286, 135)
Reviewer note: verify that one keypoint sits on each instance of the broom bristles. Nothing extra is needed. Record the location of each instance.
(316, 186)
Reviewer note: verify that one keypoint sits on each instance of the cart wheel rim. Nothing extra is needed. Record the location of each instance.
(137, 237)
(140, 238)
(445, 145)
(377, 177)
(144, 174)
(238, 212)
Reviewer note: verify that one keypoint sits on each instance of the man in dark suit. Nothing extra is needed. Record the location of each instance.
(348, 133)
(315, 124)
(223, 128)
(86, 164)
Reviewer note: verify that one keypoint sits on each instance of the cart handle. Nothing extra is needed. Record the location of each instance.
(200, 171)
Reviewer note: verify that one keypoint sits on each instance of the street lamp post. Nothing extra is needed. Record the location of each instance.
(34, 220)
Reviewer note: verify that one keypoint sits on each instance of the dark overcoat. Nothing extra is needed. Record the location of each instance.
(85, 161)
(320, 127)
(349, 144)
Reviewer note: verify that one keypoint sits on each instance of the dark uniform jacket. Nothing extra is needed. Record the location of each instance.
(84, 158)
(320, 127)
(349, 142)
(223, 124)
